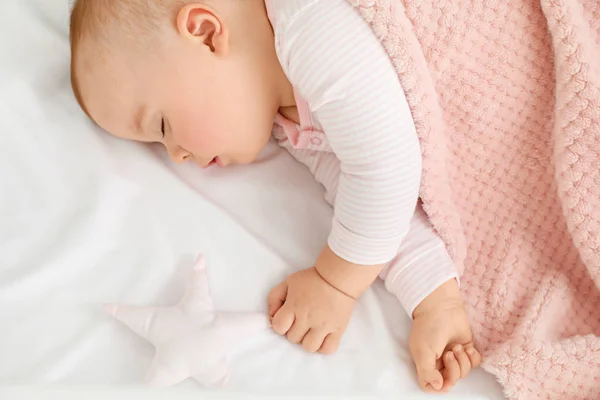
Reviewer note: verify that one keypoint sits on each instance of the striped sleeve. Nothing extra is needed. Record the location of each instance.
(422, 265)
(339, 67)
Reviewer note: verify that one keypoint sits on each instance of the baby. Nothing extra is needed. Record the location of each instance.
(209, 78)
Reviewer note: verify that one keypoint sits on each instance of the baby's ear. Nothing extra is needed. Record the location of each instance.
(200, 23)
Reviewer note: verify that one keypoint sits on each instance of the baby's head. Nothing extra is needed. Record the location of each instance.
(201, 77)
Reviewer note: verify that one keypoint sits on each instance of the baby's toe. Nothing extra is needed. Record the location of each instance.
(451, 370)
(463, 360)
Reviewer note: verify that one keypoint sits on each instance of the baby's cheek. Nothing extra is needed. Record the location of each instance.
(204, 132)
(199, 140)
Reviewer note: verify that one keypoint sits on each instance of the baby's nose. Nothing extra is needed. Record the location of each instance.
(178, 154)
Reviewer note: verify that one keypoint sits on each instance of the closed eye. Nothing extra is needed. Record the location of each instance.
(162, 127)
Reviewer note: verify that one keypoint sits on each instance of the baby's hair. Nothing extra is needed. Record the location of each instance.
(98, 22)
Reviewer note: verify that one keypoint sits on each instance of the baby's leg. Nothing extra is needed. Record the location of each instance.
(421, 266)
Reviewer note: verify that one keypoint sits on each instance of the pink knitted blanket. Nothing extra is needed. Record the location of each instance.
(506, 98)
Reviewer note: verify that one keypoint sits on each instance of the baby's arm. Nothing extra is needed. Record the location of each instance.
(340, 68)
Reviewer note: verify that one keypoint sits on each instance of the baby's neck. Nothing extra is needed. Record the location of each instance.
(290, 113)
(253, 32)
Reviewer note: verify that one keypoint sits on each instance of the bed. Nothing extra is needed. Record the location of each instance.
(88, 219)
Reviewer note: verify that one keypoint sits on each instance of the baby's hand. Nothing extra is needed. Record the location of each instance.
(310, 311)
(441, 342)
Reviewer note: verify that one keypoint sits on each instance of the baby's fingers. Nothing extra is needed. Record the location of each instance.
(330, 344)
(283, 321)
(297, 332)
(277, 298)
(451, 370)
(314, 339)
(430, 379)
(463, 360)
(474, 356)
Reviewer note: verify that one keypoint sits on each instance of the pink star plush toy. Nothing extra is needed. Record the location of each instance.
(191, 338)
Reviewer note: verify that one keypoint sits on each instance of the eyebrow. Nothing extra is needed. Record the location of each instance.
(138, 120)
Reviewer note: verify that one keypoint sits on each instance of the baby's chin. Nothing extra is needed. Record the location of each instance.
(247, 158)
(244, 161)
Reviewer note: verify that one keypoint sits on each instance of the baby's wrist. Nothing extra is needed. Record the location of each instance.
(445, 297)
(351, 295)
(348, 278)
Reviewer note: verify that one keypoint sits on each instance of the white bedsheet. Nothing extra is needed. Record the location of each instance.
(87, 219)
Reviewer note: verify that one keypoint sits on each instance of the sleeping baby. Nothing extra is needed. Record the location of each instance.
(214, 80)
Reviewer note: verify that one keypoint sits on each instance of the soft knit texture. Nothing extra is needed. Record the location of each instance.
(506, 99)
